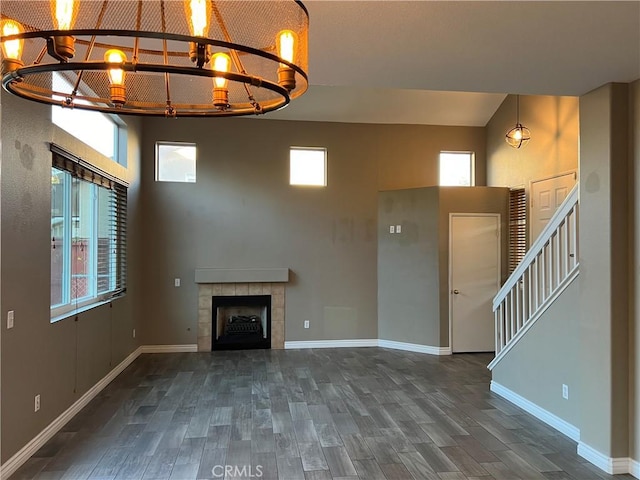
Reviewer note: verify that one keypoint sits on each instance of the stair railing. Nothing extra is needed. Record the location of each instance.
(545, 271)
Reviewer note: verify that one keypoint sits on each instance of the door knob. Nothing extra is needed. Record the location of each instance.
(456, 292)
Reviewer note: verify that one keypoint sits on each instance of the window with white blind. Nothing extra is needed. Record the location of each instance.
(88, 235)
(517, 227)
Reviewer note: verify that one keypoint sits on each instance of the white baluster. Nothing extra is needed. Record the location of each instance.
(529, 292)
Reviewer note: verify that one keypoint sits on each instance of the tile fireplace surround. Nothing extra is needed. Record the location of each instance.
(235, 282)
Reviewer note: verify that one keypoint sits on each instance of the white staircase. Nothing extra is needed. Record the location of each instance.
(547, 269)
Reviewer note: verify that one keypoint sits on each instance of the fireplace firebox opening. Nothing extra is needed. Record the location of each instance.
(241, 322)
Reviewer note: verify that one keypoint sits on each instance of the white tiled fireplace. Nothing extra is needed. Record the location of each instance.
(240, 282)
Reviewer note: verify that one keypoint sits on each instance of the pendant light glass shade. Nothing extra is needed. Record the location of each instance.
(519, 135)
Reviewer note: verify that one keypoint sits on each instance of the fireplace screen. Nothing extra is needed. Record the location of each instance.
(241, 322)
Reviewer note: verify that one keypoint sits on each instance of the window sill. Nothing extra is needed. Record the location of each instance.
(84, 308)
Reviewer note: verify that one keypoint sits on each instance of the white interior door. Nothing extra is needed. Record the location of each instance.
(474, 279)
(546, 197)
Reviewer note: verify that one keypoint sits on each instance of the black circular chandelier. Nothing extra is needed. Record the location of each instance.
(156, 57)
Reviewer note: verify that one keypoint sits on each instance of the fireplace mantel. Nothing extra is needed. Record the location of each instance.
(242, 275)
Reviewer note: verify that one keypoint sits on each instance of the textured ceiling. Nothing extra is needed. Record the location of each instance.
(452, 63)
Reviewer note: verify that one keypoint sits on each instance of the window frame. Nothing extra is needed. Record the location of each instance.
(174, 144)
(472, 166)
(106, 213)
(324, 171)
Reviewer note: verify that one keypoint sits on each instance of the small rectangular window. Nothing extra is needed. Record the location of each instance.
(308, 166)
(457, 169)
(104, 133)
(175, 162)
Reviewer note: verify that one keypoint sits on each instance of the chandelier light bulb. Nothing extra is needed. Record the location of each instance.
(286, 42)
(116, 76)
(221, 63)
(198, 13)
(286, 45)
(64, 14)
(11, 49)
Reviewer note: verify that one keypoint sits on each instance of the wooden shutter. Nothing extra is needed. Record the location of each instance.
(517, 227)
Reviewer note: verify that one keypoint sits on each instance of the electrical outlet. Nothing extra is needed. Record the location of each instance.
(306, 324)
(36, 403)
(398, 228)
(176, 282)
(134, 333)
(565, 391)
(392, 229)
(10, 316)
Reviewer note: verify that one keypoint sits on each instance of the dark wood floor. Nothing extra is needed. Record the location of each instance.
(368, 413)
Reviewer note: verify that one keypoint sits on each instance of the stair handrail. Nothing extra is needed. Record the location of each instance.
(547, 232)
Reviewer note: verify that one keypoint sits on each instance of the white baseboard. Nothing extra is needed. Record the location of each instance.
(613, 466)
(410, 347)
(169, 348)
(331, 344)
(17, 460)
(634, 468)
(540, 413)
(414, 347)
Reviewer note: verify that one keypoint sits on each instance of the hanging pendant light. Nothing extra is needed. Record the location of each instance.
(519, 135)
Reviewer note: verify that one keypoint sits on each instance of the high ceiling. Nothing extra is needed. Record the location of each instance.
(453, 62)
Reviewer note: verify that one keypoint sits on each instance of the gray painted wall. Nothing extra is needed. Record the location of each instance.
(413, 267)
(242, 213)
(546, 358)
(59, 361)
(604, 274)
(408, 267)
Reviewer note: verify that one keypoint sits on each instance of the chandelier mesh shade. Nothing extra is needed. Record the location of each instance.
(156, 57)
(519, 135)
